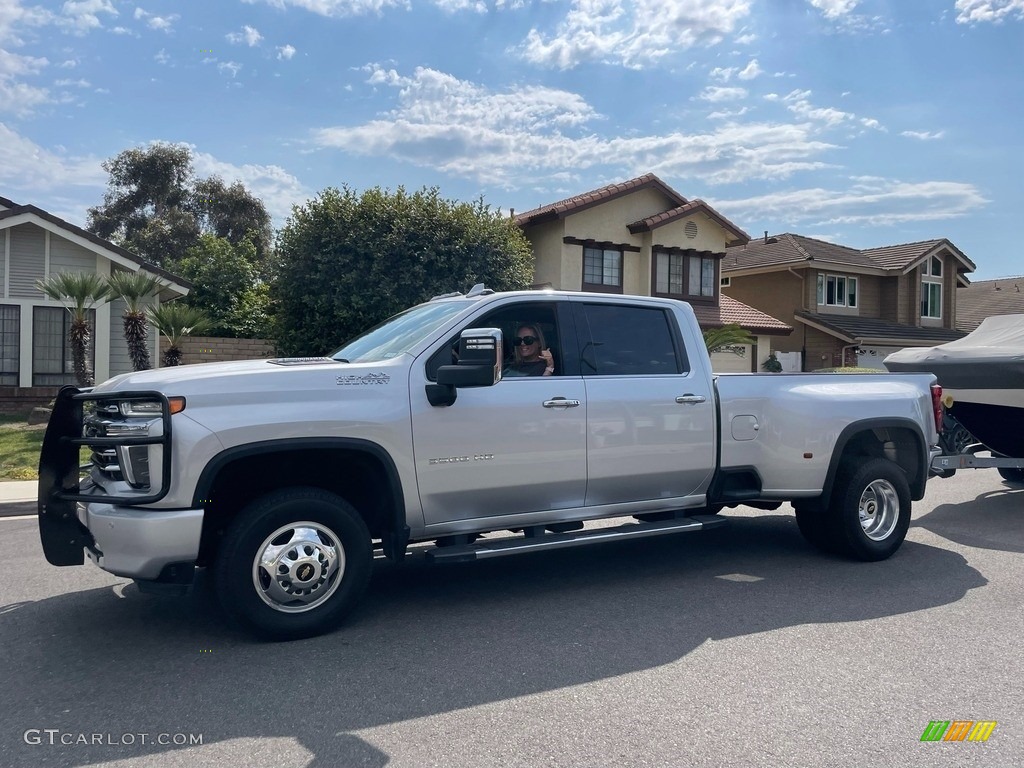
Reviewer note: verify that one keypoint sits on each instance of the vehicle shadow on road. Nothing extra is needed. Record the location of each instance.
(992, 520)
(430, 639)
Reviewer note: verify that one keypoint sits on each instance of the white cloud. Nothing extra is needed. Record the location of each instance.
(249, 35)
(160, 23)
(454, 6)
(715, 93)
(724, 114)
(13, 14)
(75, 83)
(723, 74)
(833, 9)
(162, 57)
(975, 11)
(923, 135)
(81, 16)
(524, 135)
(752, 70)
(746, 39)
(19, 98)
(867, 201)
(69, 64)
(798, 102)
(278, 189)
(633, 34)
(123, 31)
(337, 8)
(232, 67)
(285, 52)
(31, 171)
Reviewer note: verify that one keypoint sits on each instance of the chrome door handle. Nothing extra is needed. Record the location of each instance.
(691, 399)
(561, 402)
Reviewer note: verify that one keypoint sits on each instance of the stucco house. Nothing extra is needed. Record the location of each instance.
(849, 306)
(641, 237)
(35, 358)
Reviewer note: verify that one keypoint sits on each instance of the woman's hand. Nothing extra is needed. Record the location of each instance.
(549, 362)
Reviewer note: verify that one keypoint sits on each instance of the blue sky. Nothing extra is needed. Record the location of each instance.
(864, 122)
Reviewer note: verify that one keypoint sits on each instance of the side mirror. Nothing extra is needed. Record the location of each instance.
(480, 353)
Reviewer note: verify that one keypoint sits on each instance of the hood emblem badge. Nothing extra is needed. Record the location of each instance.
(369, 378)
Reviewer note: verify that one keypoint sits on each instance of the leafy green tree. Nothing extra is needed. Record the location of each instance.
(349, 261)
(176, 320)
(732, 335)
(82, 291)
(134, 288)
(228, 286)
(156, 207)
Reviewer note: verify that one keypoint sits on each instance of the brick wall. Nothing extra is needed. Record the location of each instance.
(22, 399)
(208, 349)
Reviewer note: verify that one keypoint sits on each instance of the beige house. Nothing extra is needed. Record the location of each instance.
(849, 306)
(642, 237)
(35, 358)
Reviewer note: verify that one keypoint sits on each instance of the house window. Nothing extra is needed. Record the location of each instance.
(684, 276)
(52, 364)
(837, 291)
(725, 282)
(931, 299)
(602, 270)
(10, 336)
(935, 267)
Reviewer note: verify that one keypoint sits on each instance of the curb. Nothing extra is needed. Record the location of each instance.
(15, 508)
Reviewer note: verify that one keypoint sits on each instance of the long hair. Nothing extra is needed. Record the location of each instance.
(535, 331)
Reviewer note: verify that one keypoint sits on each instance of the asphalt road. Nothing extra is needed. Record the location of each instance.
(735, 647)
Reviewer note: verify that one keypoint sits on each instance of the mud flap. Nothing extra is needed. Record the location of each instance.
(63, 538)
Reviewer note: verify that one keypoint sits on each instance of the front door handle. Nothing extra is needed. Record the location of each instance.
(561, 402)
(691, 399)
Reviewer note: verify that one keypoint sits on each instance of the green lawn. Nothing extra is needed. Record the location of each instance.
(19, 448)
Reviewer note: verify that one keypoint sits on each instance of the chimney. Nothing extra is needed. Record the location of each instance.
(766, 237)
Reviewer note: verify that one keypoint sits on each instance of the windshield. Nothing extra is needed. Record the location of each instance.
(398, 334)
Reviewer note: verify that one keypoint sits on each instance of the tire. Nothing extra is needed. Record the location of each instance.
(1012, 474)
(320, 557)
(815, 525)
(870, 509)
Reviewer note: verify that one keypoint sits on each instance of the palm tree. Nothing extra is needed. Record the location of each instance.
(715, 339)
(176, 321)
(134, 288)
(83, 290)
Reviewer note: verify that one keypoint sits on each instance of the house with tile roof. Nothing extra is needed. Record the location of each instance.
(986, 298)
(850, 306)
(642, 237)
(35, 357)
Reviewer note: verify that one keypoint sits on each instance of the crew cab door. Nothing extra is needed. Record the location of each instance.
(516, 447)
(650, 415)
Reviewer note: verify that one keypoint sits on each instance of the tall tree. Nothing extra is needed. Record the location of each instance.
(176, 320)
(82, 291)
(732, 335)
(349, 261)
(156, 207)
(134, 288)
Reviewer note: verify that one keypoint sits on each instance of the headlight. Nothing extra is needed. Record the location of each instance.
(150, 407)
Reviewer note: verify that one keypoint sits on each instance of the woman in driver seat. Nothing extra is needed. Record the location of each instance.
(530, 354)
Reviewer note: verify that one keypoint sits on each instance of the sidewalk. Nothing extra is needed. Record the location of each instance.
(17, 497)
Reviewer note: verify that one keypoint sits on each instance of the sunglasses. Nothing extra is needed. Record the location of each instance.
(525, 340)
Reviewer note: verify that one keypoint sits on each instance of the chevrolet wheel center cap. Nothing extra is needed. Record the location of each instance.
(304, 572)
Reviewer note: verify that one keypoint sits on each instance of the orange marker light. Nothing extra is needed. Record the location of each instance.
(177, 404)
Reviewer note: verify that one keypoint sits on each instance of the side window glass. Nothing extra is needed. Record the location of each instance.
(534, 321)
(628, 341)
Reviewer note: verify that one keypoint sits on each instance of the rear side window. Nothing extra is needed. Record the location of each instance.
(628, 341)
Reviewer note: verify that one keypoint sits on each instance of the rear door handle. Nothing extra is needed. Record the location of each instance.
(561, 402)
(691, 399)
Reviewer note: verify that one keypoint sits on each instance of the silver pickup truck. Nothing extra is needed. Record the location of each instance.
(287, 477)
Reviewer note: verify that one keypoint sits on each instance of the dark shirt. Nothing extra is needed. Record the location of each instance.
(535, 368)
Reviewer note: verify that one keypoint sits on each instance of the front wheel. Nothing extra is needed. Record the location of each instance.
(293, 563)
(870, 510)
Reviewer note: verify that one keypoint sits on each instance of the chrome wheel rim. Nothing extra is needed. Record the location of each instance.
(298, 567)
(879, 510)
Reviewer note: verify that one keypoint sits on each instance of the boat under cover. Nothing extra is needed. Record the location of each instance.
(982, 378)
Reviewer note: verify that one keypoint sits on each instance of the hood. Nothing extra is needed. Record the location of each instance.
(244, 375)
